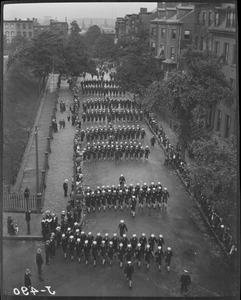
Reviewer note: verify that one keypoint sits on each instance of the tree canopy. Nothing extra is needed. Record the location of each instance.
(104, 47)
(187, 95)
(91, 36)
(215, 173)
(137, 66)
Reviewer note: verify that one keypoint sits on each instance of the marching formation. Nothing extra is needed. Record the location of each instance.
(112, 133)
(114, 150)
(105, 248)
(112, 115)
(101, 87)
(128, 197)
(109, 103)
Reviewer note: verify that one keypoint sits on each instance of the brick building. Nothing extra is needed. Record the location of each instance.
(23, 27)
(171, 32)
(134, 23)
(215, 30)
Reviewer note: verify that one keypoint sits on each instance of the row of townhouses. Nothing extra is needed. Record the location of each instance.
(173, 26)
(30, 27)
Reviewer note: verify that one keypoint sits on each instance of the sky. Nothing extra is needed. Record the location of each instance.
(74, 9)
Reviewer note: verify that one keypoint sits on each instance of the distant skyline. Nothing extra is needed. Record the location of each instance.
(74, 9)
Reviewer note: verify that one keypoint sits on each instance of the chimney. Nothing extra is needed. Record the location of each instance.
(27, 19)
(143, 10)
(15, 19)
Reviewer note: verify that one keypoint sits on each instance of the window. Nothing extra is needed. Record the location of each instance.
(24, 34)
(227, 126)
(209, 44)
(230, 19)
(201, 43)
(8, 41)
(234, 54)
(7, 33)
(11, 26)
(198, 17)
(12, 33)
(174, 33)
(153, 46)
(24, 26)
(41, 29)
(163, 32)
(226, 52)
(162, 50)
(172, 53)
(29, 26)
(187, 34)
(30, 34)
(216, 47)
(6, 26)
(204, 18)
(219, 119)
(216, 19)
(232, 82)
(153, 31)
(210, 18)
(19, 33)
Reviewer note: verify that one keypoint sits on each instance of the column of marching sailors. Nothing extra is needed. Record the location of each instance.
(78, 244)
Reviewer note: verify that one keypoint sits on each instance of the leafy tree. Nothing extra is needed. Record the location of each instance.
(104, 47)
(91, 36)
(76, 56)
(187, 95)
(43, 53)
(215, 173)
(137, 67)
(74, 28)
(18, 42)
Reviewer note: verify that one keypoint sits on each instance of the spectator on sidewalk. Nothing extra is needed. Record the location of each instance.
(153, 141)
(27, 280)
(39, 261)
(63, 123)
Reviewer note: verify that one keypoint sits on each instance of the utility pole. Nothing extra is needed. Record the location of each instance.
(53, 74)
(36, 156)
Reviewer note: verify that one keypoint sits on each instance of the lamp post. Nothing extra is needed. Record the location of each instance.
(36, 156)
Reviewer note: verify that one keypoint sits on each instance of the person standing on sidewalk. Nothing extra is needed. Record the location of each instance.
(27, 280)
(39, 261)
(185, 281)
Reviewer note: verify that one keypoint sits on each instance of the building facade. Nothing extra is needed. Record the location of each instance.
(22, 27)
(215, 30)
(133, 24)
(171, 32)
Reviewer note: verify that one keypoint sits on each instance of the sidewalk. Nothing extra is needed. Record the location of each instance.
(29, 166)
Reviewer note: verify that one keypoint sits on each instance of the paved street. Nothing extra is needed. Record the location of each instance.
(181, 225)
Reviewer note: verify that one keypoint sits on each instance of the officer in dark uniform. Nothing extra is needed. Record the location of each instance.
(147, 152)
(64, 243)
(115, 241)
(129, 253)
(94, 251)
(39, 261)
(110, 252)
(71, 244)
(152, 241)
(147, 256)
(168, 256)
(138, 254)
(143, 242)
(103, 250)
(122, 227)
(129, 270)
(86, 251)
(159, 256)
(98, 240)
(133, 205)
(165, 196)
(121, 254)
(185, 281)
(78, 248)
(27, 280)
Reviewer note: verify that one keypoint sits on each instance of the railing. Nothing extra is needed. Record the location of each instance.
(17, 203)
